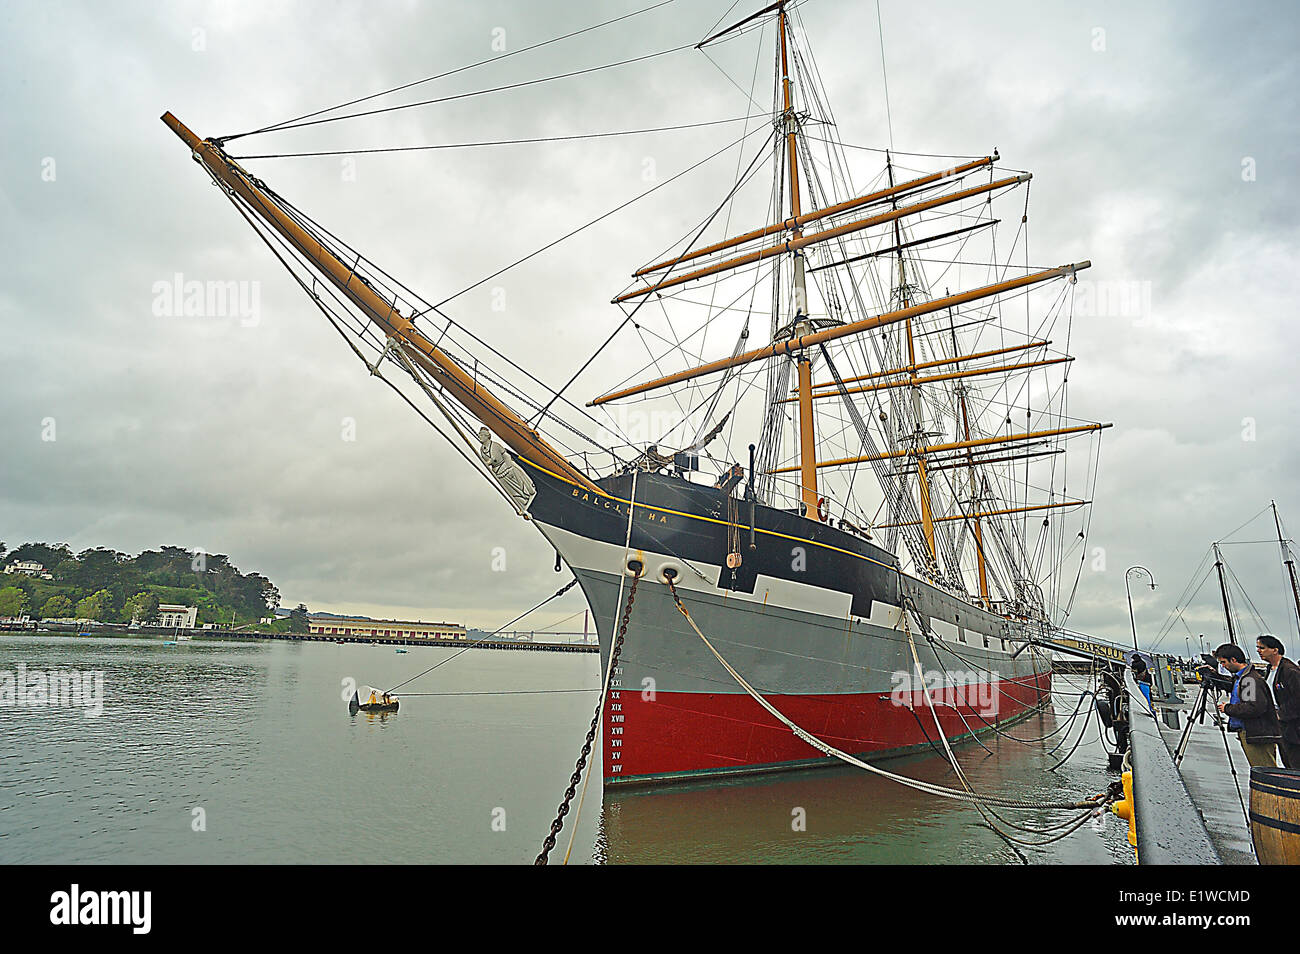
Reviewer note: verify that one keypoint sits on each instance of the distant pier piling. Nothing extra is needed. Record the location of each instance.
(154, 632)
(402, 641)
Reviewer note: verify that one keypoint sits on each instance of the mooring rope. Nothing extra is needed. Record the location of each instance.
(479, 642)
(826, 748)
(986, 812)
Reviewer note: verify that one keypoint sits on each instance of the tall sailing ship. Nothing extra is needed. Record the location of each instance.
(859, 489)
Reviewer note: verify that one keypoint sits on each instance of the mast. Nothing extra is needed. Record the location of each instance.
(1288, 561)
(918, 438)
(807, 432)
(914, 389)
(1223, 592)
(976, 527)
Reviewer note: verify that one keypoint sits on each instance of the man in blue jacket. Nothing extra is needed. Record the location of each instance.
(1250, 709)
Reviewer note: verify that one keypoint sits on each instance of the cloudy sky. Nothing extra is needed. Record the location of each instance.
(1163, 138)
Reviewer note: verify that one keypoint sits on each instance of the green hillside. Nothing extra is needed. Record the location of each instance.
(113, 587)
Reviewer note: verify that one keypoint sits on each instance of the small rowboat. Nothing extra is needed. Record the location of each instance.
(1275, 815)
(370, 699)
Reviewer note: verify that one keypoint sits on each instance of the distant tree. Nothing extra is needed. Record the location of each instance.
(98, 568)
(96, 606)
(270, 595)
(46, 554)
(13, 601)
(143, 607)
(113, 583)
(298, 619)
(57, 607)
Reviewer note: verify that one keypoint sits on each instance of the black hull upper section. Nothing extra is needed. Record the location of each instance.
(692, 523)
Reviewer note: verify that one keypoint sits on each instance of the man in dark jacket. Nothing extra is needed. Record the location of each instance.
(1284, 679)
(1250, 710)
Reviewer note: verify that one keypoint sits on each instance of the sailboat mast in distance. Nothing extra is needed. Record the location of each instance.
(1288, 562)
(1223, 593)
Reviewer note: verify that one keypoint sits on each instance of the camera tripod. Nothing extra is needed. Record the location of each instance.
(1197, 714)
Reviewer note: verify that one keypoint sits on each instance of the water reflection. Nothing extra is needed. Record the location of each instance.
(850, 816)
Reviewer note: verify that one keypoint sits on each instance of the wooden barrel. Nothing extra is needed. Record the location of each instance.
(1275, 815)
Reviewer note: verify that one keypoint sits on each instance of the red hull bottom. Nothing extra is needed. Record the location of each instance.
(684, 734)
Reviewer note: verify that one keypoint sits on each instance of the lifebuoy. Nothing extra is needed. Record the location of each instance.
(821, 509)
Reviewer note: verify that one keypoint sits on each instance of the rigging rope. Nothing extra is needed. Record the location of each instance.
(628, 317)
(459, 69)
(902, 507)
(499, 692)
(599, 218)
(474, 461)
(880, 29)
(459, 96)
(321, 234)
(494, 142)
(558, 593)
(1064, 828)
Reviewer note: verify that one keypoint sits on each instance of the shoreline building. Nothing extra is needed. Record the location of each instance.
(29, 568)
(175, 616)
(323, 625)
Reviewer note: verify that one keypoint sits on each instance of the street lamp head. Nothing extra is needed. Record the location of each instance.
(1137, 567)
(1129, 594)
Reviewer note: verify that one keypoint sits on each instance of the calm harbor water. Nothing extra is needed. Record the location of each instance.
(215, 751)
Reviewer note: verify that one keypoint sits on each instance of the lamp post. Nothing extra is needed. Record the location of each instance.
(1131, 619)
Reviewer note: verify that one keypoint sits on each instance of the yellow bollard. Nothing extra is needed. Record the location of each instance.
(1124, 809)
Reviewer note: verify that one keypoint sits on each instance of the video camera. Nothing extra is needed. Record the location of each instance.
(1210, 675)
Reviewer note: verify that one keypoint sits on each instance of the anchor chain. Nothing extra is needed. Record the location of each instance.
(576, 777)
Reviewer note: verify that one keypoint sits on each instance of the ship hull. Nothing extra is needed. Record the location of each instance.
(816, 624)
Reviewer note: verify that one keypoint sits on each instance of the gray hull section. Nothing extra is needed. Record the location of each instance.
(779, 650)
